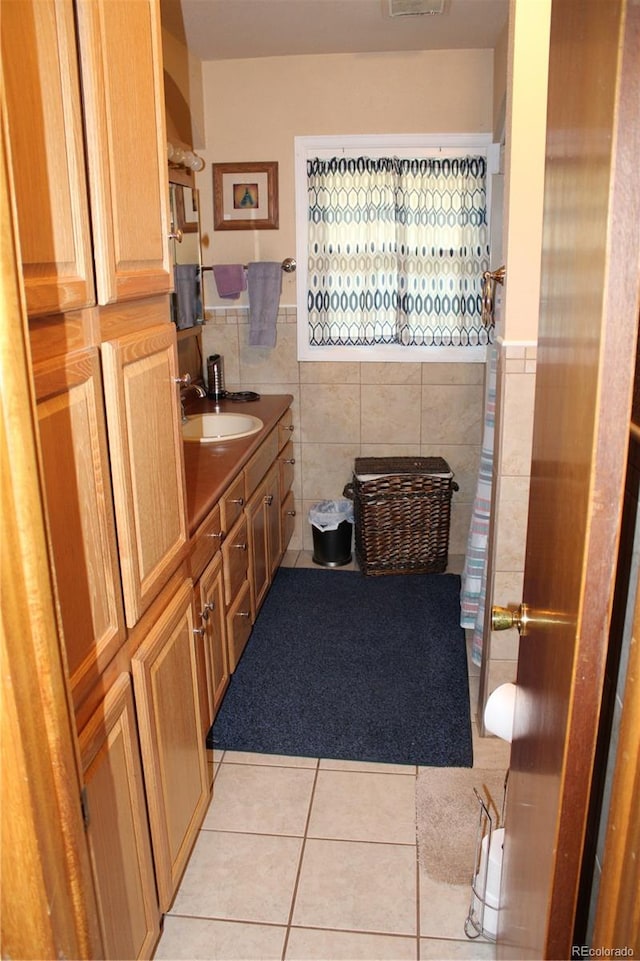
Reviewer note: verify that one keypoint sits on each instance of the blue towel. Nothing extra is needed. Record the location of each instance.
(187, 287)
(264, 283)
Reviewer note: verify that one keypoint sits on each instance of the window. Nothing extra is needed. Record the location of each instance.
(392, 243)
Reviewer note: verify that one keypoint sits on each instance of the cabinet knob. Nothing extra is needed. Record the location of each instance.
(241, 547)
(237, 500)
(210, 606)
(289, 460)
(243, 614)
(184, 381)
(289, 427)
(218, 534)
(269, 500)
(291, 513)
(199, 631)
(176, 235)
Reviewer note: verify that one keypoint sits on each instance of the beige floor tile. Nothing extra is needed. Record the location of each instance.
(277, 760)
(195, 939)
(347, 885)
(312, 944)
(333, 764)
(443, 908)
(358, 806)
(261, 799)
(432, 949)
(242, 877)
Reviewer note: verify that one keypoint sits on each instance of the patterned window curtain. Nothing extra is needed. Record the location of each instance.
(397, 248)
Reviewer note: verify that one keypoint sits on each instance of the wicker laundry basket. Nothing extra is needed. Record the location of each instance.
(402, 509)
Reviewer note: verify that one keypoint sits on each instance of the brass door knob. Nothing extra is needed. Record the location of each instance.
(502, 618)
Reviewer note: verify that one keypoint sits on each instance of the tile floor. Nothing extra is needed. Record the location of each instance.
(306, 858)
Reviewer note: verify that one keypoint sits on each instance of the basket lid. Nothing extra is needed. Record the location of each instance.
(368, 467)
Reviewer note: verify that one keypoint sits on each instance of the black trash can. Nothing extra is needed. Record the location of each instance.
(332, 528)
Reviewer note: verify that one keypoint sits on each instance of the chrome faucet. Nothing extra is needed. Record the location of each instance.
(184, 387)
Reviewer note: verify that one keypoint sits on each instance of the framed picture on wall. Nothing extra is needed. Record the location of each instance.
(245, 196)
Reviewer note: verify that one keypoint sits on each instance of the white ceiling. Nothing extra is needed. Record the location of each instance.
(238, 29)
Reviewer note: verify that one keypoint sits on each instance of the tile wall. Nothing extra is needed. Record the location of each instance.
(515, 395)
(346, 410)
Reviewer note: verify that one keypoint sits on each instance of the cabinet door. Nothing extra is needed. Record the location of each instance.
(263, 519)
(80, 513)
(239, 625)
(165, 677)
(145, 439)
(39, 66)
(211, 613)
(123, 94)
(118, 831)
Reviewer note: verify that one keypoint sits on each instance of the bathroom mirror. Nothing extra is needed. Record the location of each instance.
(186, 256)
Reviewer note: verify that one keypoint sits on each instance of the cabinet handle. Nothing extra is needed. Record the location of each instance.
(241, 547)
(237, 500)
(176, 235)
(288, 460)
(269, 500)
(291, 513)
(243, 614)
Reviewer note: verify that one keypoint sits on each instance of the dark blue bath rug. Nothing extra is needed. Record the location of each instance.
(344, 666)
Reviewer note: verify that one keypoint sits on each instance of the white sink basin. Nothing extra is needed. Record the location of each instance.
(211, 427)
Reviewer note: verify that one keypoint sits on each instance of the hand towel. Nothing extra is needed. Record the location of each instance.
(231, 280)
(186, 278)
(264, 281)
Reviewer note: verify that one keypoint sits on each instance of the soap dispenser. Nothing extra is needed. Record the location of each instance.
(215, 377)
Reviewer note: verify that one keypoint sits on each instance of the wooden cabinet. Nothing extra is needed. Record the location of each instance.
(117, 829)
(44, 114)
(123, 96)
(286, 462)
(165, 675)
(118, 120)
(143, 419)
(235, 555)
(80, 510)
(211, 618)
(263, 521)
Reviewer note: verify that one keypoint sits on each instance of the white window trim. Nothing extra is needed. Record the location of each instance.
(380, 145)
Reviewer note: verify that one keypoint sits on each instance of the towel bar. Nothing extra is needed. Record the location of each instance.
(288, 265)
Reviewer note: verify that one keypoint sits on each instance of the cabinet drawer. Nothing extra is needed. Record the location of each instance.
(287, 520)
(205, 542)
(239, 626)
(285, 429)
(232, 502)
(235, 559)
(286, 461)
(260, 463)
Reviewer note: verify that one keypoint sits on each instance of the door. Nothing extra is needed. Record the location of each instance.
(117, 828)
(166, 687)
(145, 439)
(588, 320)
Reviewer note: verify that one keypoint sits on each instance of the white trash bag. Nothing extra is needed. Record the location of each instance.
(328, 515)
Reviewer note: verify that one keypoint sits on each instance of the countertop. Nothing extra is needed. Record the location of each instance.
(210, 468)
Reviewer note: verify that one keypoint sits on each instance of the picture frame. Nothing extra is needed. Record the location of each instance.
(245, 196)
(182, 215)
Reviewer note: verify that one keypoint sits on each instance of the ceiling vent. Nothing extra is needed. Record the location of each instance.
(415, 8)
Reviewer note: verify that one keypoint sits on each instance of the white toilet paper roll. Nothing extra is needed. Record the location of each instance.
(499, 711)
